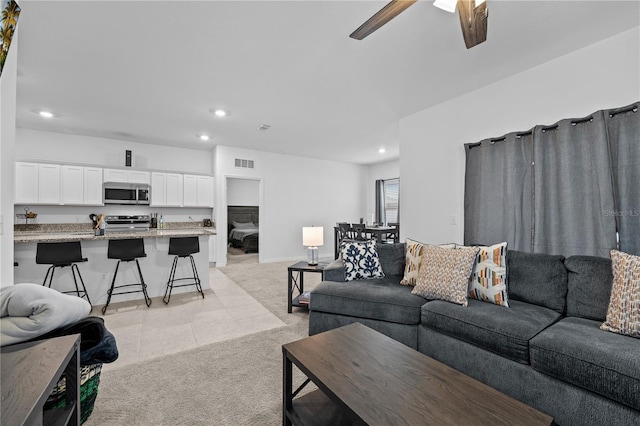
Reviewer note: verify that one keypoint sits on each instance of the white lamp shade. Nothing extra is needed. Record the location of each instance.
(312, 236)
(448, 5)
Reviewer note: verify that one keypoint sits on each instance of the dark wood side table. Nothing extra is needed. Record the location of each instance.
(296, 282)
(30, 371)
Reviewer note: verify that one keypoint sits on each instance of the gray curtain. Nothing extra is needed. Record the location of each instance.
(497, 198)
(573, 186)
(380, 213)
(623, 125)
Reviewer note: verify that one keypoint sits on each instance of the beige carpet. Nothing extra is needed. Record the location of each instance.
(235, 382)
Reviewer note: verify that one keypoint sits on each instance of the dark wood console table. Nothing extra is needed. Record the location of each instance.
(30, 371)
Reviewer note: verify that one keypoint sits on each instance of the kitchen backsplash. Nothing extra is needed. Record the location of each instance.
(80, 214)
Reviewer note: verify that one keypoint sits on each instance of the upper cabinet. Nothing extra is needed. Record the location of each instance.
(198, 191)
(127, 176)
(26, 183)
(166, 189)
(55, 184)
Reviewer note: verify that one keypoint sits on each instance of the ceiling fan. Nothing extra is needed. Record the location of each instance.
(473, 18)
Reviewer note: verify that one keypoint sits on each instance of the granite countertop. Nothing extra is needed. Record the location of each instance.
(60, 232)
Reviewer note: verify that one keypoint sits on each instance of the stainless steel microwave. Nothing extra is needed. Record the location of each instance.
(126, 193)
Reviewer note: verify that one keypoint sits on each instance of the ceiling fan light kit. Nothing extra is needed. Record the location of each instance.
(473, 18)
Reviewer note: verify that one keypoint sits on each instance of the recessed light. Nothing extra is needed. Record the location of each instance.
(220, 113)
(204, 137)
(264, 127)
(382, 151)
(46, 114)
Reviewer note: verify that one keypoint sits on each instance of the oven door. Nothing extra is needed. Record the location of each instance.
(120, 195)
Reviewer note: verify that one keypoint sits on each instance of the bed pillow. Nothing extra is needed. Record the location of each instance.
(623, 315)
(361, 260)
(243, 225)
(444, 274)
(413, 260)
(488, 280)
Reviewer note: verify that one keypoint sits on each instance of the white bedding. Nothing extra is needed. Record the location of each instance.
(239, 234)
(31, 310)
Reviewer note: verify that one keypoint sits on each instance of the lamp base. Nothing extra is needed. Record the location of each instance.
(312, 255)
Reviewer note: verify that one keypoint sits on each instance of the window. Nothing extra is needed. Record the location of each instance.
(387, 200)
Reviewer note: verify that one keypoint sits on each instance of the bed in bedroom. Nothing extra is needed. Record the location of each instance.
(243, 226)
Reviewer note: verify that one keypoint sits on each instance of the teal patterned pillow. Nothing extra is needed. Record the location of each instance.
(361, 260)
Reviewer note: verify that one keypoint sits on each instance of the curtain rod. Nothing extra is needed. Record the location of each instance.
(581, 120)
(633, 108)
(554, 127)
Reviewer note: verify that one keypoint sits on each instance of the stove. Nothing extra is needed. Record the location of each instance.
(126, 223)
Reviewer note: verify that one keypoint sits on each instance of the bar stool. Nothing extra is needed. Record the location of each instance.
(182, 247)
(126, 251)
(59, 255)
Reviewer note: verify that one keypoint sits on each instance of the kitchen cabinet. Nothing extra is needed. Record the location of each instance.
(56, 184)
(48, 184)
(198, 191)
(72, 178)
(175, 187)
(127, 176)
(81, 185)
(158, 189)
(166, 189)
(26, 183)
(92, 186)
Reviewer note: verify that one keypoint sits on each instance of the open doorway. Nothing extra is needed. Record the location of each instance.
(243, 220)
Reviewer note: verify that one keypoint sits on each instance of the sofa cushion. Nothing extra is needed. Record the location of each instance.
(503, 331)
(589, 286)
(488, 280)
(391, 258)
(575, 350)
(444, 273)
(623, 314)
(381, 299)
(537, 278)
(361, 260)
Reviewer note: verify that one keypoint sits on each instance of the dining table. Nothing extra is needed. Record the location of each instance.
(375, 232)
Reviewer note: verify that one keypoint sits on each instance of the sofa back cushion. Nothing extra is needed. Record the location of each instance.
(537, 278)
(589, 290)
(392, 258)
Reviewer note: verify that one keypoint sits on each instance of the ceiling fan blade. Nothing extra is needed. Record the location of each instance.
(473, 20)
(384, 15)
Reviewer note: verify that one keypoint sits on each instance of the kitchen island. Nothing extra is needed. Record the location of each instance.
(97, 272)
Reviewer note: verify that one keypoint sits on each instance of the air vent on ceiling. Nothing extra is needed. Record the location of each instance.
(245, 164)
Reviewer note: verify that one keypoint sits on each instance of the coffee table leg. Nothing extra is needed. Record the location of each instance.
(287, 389)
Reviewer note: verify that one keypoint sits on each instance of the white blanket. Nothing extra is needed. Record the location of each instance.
(31, 310)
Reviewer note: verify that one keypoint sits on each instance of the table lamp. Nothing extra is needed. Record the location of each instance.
(312, 237)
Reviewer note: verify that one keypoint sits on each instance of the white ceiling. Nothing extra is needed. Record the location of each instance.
(151, 71)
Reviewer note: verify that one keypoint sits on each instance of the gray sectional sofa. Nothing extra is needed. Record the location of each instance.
(546, 349)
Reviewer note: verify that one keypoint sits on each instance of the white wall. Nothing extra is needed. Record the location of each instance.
(7, 155)
(34, 145)
(294, 192)
(603, 75)
(243, 192)
(387, 170)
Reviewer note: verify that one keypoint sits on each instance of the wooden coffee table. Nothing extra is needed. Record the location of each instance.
(367, 378)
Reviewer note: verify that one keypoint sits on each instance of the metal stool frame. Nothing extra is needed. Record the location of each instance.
(182, 247)
(119, 249)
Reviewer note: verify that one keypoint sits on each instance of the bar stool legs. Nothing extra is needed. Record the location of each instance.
(147, 299)
(75, 272)
(127, 250)
(182, 247)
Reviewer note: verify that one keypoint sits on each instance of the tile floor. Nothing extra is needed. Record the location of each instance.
(187, 322)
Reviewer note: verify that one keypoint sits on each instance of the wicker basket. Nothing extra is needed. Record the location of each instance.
(89, 381)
